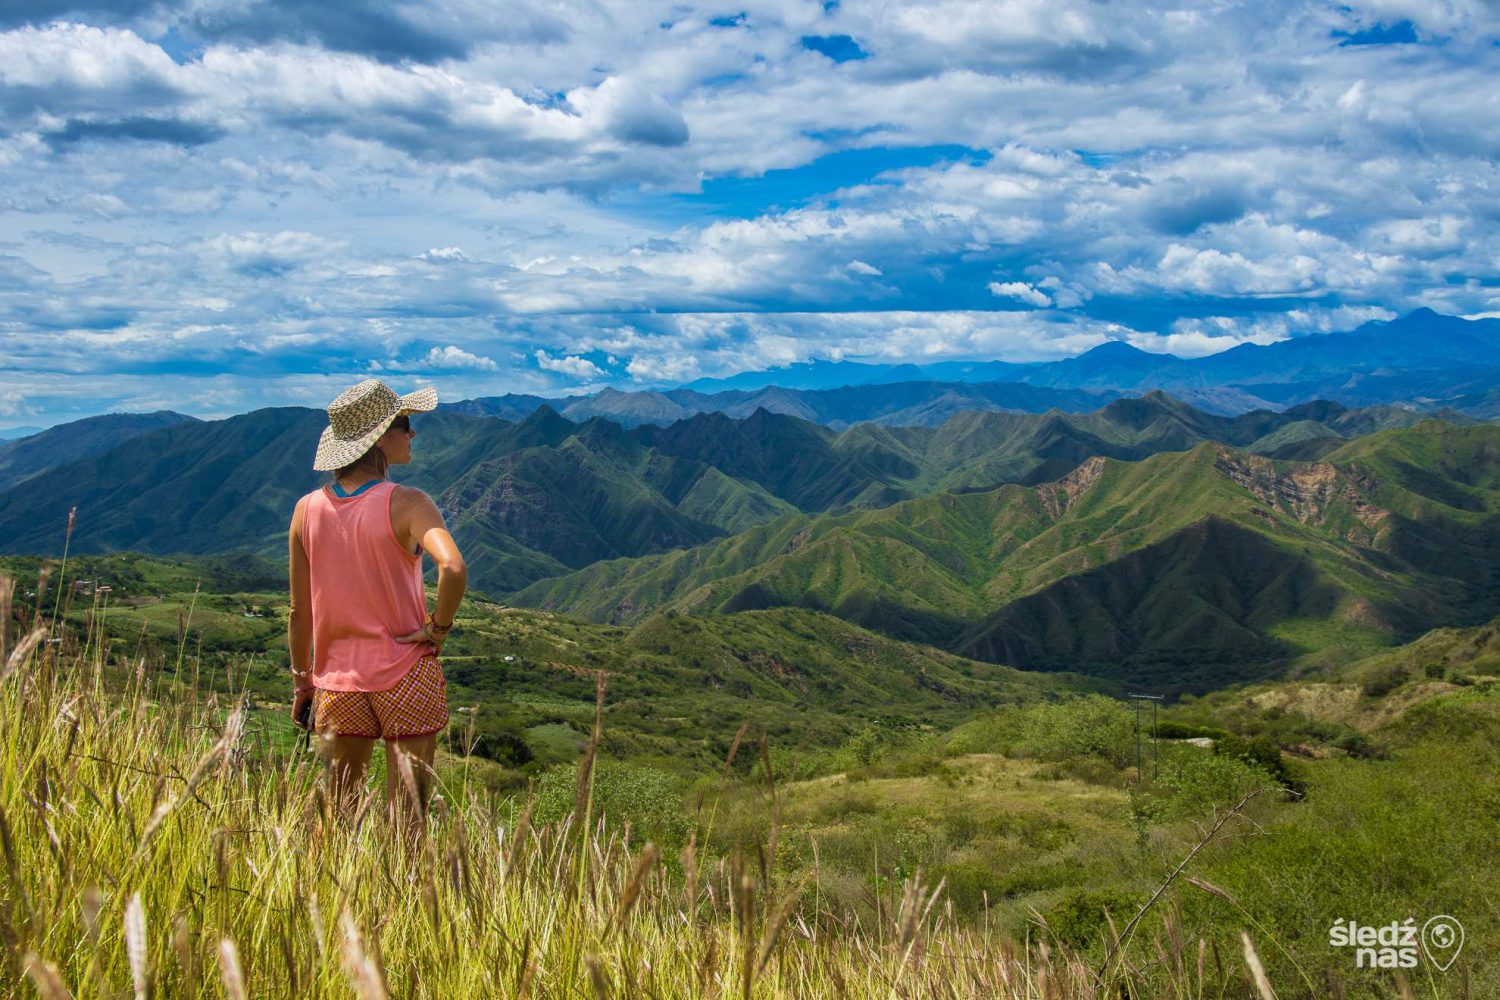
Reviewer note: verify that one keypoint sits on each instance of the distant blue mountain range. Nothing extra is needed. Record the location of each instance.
(1421, 341)
(1423, 361)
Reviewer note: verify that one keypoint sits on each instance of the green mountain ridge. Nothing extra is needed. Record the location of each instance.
(926, 402)
(1182, 563)
(540, 497)
(36, 453)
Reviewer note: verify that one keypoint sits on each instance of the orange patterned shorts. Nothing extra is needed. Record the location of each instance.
(417, 706)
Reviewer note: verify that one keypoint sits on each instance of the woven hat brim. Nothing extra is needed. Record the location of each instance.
(335, 453)
(421, 401)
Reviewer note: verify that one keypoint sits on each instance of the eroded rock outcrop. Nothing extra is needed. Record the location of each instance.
(1306, 492)
(1059, 496)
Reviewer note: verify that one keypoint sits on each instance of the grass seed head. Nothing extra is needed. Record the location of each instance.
(22, 650)
(233, 972)
(638, 875)
(597, 978)
(135, 945)
(364, 975)
(45, 977)
(1257, 969)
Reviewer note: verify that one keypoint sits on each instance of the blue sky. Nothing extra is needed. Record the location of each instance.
(212, 206)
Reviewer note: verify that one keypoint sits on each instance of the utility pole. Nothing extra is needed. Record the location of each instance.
(1155, 700)
(1137, 740)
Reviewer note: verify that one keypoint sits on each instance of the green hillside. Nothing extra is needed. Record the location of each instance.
(190, 488)
(1207, 564)
(1441, 686)
(680, 686)
(36, 453)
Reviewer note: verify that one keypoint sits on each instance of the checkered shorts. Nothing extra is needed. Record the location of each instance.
(417, 706)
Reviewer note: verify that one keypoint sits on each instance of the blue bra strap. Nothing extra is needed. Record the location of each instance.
(338, 490)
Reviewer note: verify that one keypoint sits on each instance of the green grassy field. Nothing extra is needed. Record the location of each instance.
(907, 822)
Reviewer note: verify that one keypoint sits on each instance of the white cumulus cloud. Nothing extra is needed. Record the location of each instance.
(573, 365)
(456, 357)
(444, 255)
(1022, 292)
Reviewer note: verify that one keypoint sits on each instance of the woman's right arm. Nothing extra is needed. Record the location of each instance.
(299, 627)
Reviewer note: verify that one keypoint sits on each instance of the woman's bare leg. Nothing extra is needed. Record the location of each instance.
(348, 761)
(417, 752)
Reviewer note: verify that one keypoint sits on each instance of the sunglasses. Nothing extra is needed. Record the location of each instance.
(401, 423)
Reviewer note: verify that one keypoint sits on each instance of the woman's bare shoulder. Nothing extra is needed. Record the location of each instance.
(409, 495)
(408, 501)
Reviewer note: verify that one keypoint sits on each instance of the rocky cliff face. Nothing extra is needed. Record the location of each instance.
(1059, 496)
(1305, 491)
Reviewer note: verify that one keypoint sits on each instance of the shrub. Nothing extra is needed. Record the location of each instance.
(503, 747)
(1381, 681)
(800, 764)
(1078, 918)
(846, 802)
(1259, 752)
(1092, 726)
(1192, 783)
(1409, 835)
(970, 884)
(963, 741)
(1170, 729)
(649, 800)
(1357, 744)
(496, 738)
(960, 827)
(903, 765)
(1088, 726)
(866, 747)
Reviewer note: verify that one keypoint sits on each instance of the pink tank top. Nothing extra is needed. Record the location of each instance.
(366, 590)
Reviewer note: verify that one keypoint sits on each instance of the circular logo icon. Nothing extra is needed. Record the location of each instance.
(1442, 939)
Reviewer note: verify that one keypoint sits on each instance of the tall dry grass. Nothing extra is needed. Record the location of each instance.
(157, 844)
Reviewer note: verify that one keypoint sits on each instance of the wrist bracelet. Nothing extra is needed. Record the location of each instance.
(435, 630)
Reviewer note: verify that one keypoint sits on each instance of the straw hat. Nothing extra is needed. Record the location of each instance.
(358, 417)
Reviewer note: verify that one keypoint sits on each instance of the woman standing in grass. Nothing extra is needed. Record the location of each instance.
(364, 647)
